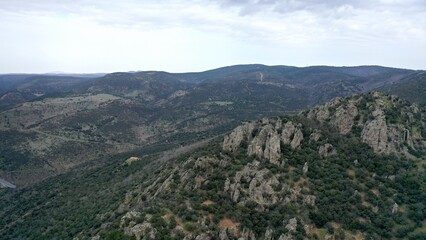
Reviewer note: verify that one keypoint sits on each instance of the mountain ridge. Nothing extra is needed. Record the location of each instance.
(353, 168)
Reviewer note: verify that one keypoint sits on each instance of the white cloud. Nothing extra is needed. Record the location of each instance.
(89, 35)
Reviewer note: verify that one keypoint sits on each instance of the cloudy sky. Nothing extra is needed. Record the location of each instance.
(194, 35)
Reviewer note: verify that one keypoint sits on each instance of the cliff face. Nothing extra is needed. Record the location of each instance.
(386, 122)
(264, 138)
(330, 173)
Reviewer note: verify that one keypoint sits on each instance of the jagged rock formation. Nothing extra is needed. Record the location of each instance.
(382, 124)
(260, 188)
(264, 138)
(327, 150)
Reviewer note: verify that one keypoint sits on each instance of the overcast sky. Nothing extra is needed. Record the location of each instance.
(194, 35)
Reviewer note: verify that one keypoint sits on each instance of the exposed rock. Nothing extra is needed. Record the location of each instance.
(236, 194)
(130, 160)
(292, 135)
(391, 177)
(247, 234)
(129, 216)
(223, 235)
(233, 141)
(259, 141)
(375, 132)
(227, 184)
(327, 151)
(309, 200)
(205, 162)
(395, 208)
(315, 136)
(272, 148)
(286, 237)
(375, 209)
(343, 118)
(268, 234)
(203, 236)
(329, 237)
(292, 225)
(305, 168)
(288, 132)
(260, 188)
(141, 231)
(297, 139)
(320, 113)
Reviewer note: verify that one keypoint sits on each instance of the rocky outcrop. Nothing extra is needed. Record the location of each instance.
(305, 168)
(385, 137)
(343, 118)
(292, 135)
(323, 113)
(263, 139)
(272, 148)
(223, 235)
(292, 225)
(203, 236)
(315, 136)
(260, 185)
(247, 234)
(395, 208)
(129, 216)
(268, 234)
(375, 132)
(309, 200)
(142, 231)
(258, 144)
(233, 141)
(327, 150)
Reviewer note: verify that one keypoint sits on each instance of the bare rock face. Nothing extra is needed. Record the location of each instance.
(141, 231)
(315, 136)
(263, 138)
(305, 168)
(329, 237)
(259, 141)
(272, 148)
(203, 236)
(375, 132)
(292, 225)
(129, 216)
(309, 200)
(395, 208)
(292, 135)
(327, 151)
(268, 234)
(343, 119)
(233, 141)
(223, 235)
(260, 185)
(286, 237)
(247, 234)
(322, 113)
